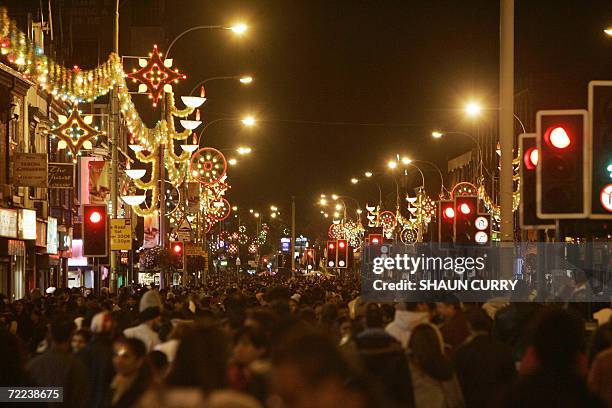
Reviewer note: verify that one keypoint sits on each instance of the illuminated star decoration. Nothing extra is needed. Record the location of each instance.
(75, 131)
(155, 75)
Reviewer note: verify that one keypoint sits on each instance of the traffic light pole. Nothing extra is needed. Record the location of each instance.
(292, 248)
(114, 113)
(506, 117)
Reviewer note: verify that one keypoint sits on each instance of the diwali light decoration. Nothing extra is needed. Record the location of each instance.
(372, 215)
(253, 248)
(387, 220)
(155, 75)
(243, 239)
(408, 235)
(208, 165)
(75, 132)
(232, 249)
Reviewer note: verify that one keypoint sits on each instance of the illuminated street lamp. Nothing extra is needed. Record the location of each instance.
(406, 160)
(473, 109)
(232, 162)
(235, 208)
(246, 79)
(392, 164)
(248, 121)
(239, 28)
(354, 180)
(368, 174)
(243, 150)
(608, 31)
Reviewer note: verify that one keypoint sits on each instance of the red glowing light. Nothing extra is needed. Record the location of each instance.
(95, 217)
(341, 244)
(177, 248)
(531, 158)
(375, 240)
(331, 246)
(558, 137)
(465, 208)
(449, 212)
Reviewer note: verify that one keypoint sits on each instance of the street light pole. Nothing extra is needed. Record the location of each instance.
(292, 234)
(114, 116)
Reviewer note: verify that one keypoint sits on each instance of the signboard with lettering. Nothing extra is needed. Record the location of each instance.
(30, 169)
(52, 237)
(121, 234)
(192, 249)
(60, 175)
(8, 223)
(26, 224)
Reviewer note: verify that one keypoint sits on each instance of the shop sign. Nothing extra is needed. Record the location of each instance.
(8, 223)
(26, 225)
(52, 237)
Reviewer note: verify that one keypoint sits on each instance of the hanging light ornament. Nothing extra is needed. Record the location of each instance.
(253, 248)
(155, 75)
(208, 165)
(75, 132)
(232, 249)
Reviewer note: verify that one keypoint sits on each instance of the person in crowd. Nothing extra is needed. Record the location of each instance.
(97, 357)
(434, 381)
(310, 371)
(407, 316)
(483, 365)
(79, 340)
(159, 365)
(553, 369)
(150, 309)
(249, 364)
(454, 326)
(57, 367)
(12, 369)
(133, 373)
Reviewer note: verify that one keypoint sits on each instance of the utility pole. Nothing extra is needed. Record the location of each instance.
(292, 248)
(162, 194)
(506, 127)
(114, 130)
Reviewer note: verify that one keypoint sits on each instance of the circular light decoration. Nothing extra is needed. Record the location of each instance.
(208, 165)
(253, 248)
(243, 239)
(232, 249)
(335, 231)
(408, 236)
(75, 132)
(355, 242)
(387, 220)
(286, 231)
(235, 236)
(265, 227)
(242, 229)
(427, 207)
(155, 76)
(219, 209)
(464, 189)
(224, 236)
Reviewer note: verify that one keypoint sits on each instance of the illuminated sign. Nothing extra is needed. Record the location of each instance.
(52, 237)
(481, 237)
(27, 224)
(8, 223)
(481, 223)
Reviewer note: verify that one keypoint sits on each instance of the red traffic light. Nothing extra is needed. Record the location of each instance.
(341, 244)
(531, 158)
(177, 248)
(557, 137)
(465, 208)
(375, 240)
(331, 245)
(95, 217)
(449, 212)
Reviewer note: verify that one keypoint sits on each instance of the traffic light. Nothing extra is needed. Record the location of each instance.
(482, 225)
(562, 170)
(466, 211)
(342, 253)
(310, 259)
(528, 218)
(178, 249)
(375, 239)
(600, 146)
(446, 221)
(332, 254)
(95, 230)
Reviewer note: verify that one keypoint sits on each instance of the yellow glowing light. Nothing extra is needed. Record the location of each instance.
(406, 160)
(435, 134)
(473, 109)
(338, 207)
(368, 174)
(232, 162)
(323, 201)
(246, 80)
(239, 29)
(608, 31)
(334, 196)
(244, 150)
(392, 164)
(234, 208)
(248, 121)
(354, 180)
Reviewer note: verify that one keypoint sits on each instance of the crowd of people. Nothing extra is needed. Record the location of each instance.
(300, 342)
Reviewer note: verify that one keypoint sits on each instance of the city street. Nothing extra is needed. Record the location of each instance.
(304, 204)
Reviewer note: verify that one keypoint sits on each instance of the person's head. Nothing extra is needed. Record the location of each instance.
(557, 337)
(345, 325)
(128, 355)
(373, 316)
(159, 363)
(101, 323)
(310, 371)
(62, 328)
(479, 321)
(416, 306)
(150, 307)
(249, 345)
(448, 309)
(201, 359)
(427, 351)
(79, 340)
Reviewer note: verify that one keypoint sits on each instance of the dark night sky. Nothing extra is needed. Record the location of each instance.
(340, 86)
